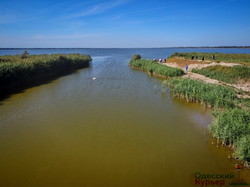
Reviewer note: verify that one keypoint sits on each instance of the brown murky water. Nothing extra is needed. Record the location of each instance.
(116, 130)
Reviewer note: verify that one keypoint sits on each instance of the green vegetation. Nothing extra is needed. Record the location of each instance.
(156, 68)
(232, 127)
(234, 58)
(245, 102)
(242, 151)
(21, 71)
(231, 124)
(136, 57)
(210, 95)
(231, 121)
(226, 74)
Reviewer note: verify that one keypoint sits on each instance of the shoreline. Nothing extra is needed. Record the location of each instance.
(189, 74)
(182, 87)
(181, 47)
(17, 73)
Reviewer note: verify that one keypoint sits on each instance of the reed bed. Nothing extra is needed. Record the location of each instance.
(227, 74)
(231, 124)
(232, 128)
(209, 95)
(231, 121)
(156, 68)
(17, 72)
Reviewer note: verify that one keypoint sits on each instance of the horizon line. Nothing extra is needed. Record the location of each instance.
(13, 48)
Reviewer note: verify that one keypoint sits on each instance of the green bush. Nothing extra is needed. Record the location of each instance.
(136, 57)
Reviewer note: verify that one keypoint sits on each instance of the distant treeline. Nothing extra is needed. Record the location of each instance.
(22, 71)
(207, 47)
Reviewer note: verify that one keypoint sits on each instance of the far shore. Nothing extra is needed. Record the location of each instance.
(181, 47)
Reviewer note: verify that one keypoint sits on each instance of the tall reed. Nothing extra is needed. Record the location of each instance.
(232, 127)
(156, 68)
(226, 74)
(207, 94)
(16, 71)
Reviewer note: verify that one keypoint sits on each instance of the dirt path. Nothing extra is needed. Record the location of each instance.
(195, 76)
(179, 62)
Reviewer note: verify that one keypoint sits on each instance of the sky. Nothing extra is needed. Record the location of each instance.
(123, 23)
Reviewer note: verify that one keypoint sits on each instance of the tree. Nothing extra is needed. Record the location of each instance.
(24, 54)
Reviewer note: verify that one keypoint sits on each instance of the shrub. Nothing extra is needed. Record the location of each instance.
(136, 57)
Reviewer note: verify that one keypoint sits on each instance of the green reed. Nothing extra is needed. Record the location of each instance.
(232, 127)
(226, 74)
(207, 94)
(16, 71)
(156, 68)
(231, 124)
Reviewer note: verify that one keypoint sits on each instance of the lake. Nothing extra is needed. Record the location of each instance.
(107, 125)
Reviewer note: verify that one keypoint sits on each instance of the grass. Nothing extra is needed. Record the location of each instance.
(231, 124)
(209, 95)
(18, 72)
(245, 102)
(227, 74)
(242, 151)
(232, 127)
(231, 121)
(156, 68)
(219, 57)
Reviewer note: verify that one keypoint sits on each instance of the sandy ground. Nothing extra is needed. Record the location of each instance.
(181, 63)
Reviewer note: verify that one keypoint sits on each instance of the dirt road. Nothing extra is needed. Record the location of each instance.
(193, 64)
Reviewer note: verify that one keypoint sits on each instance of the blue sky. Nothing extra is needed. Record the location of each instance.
(124, 23)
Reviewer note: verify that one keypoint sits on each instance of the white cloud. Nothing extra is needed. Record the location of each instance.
(96, 9)
(70, 36)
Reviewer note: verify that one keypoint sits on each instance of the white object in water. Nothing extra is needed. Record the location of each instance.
(94, 78)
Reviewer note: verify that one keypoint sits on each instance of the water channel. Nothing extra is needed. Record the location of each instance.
(118, 129)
